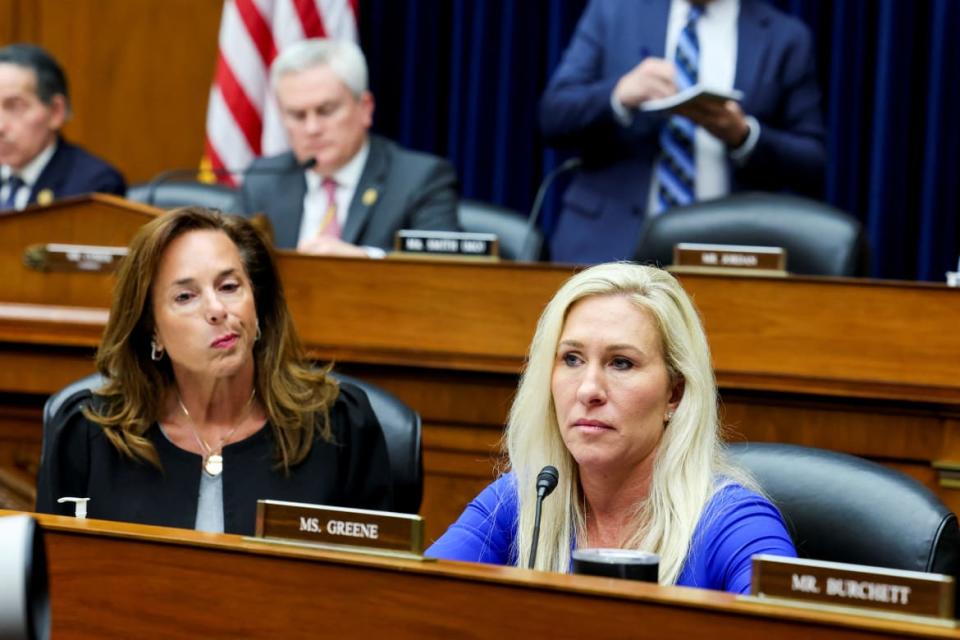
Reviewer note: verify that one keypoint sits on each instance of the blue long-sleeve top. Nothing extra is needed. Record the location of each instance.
(736, 524)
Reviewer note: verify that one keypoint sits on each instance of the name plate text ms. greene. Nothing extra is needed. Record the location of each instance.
(381, 531)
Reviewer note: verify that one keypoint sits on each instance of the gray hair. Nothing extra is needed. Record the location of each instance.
(51, 80)
(342, 56)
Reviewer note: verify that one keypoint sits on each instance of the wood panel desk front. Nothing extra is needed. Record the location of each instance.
(859, 366)
(112, 580)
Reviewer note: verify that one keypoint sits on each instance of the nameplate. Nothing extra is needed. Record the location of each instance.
(835, 584)
(727, 257)
(73, 258)
(446, 244)
(382, 532)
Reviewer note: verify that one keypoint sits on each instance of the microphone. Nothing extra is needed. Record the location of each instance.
(569, 165)
(172, 174)
(546, 483)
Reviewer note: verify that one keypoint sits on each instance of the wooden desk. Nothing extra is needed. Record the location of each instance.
(860, 366)
(110, 580)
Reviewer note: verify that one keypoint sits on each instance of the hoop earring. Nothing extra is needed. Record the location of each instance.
(156, 352)
(256, 338)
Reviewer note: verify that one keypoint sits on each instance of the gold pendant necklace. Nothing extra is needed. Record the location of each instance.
(212, 459)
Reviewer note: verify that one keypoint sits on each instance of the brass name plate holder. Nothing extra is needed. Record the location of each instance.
(729, 259)
(454, 245)
(73, 258)
(382, 533)
(892, 594)
(948, 473)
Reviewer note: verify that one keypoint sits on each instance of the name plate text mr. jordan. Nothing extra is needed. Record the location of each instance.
(729, 257)
(380, 532)
(836, 584)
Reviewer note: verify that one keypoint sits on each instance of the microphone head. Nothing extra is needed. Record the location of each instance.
(547, 480)
(309, 163)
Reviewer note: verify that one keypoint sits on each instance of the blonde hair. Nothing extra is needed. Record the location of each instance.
(690, 465)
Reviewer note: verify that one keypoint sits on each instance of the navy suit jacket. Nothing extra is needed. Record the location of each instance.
(72, 171)
(605, 207)
(412, 191)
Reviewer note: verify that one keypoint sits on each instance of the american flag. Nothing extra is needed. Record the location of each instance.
(243, 120)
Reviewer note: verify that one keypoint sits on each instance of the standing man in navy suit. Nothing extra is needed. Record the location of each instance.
(36, 163)
(624, 53)
(359, 189)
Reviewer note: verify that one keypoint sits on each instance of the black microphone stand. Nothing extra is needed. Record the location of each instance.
(546, 483)
(570, 164)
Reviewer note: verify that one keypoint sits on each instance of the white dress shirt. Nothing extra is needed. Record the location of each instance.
(29, 174)
(347, 178)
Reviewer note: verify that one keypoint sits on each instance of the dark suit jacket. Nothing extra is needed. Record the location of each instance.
(413, 191)
(73, 171)
(605, 206)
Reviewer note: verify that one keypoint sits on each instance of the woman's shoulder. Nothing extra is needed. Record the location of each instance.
(731, 495)
(351, 395)
(351, 408)
(501, 491)
(734, 506)
(72, 422)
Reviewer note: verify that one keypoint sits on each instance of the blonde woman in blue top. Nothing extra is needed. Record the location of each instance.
(619, 395)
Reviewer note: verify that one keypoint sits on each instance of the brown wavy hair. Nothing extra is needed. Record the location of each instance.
(296, 396)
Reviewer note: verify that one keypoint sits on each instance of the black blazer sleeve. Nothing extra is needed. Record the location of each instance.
(64, 470)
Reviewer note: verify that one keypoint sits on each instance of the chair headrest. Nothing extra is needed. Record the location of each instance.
(819, 239)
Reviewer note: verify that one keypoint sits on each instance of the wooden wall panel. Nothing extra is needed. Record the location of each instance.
(139, 73)
(8, 21)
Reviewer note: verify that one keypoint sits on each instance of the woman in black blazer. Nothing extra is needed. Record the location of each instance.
(209, 403)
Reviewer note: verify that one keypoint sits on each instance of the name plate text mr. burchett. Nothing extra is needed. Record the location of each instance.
(907, 593)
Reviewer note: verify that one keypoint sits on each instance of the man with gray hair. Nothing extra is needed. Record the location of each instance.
(36, 164)
(341, 190)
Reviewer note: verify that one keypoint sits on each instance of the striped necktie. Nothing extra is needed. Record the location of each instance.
(330, 225)
(14, 184)
(677, 168)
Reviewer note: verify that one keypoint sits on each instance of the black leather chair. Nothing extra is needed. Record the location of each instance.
(819, 239)
(843, 508)
(183, 193)
(517, 240)
(401, 428)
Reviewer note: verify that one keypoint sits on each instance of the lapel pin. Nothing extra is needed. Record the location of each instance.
(45, 197)
(369, 197)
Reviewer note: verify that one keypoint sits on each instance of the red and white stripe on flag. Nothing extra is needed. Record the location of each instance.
(243, 121)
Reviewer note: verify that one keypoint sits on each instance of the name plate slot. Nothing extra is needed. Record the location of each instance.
(73, 258)
(841, 585)
(446, 244)
(727, 258)
(380, 532)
